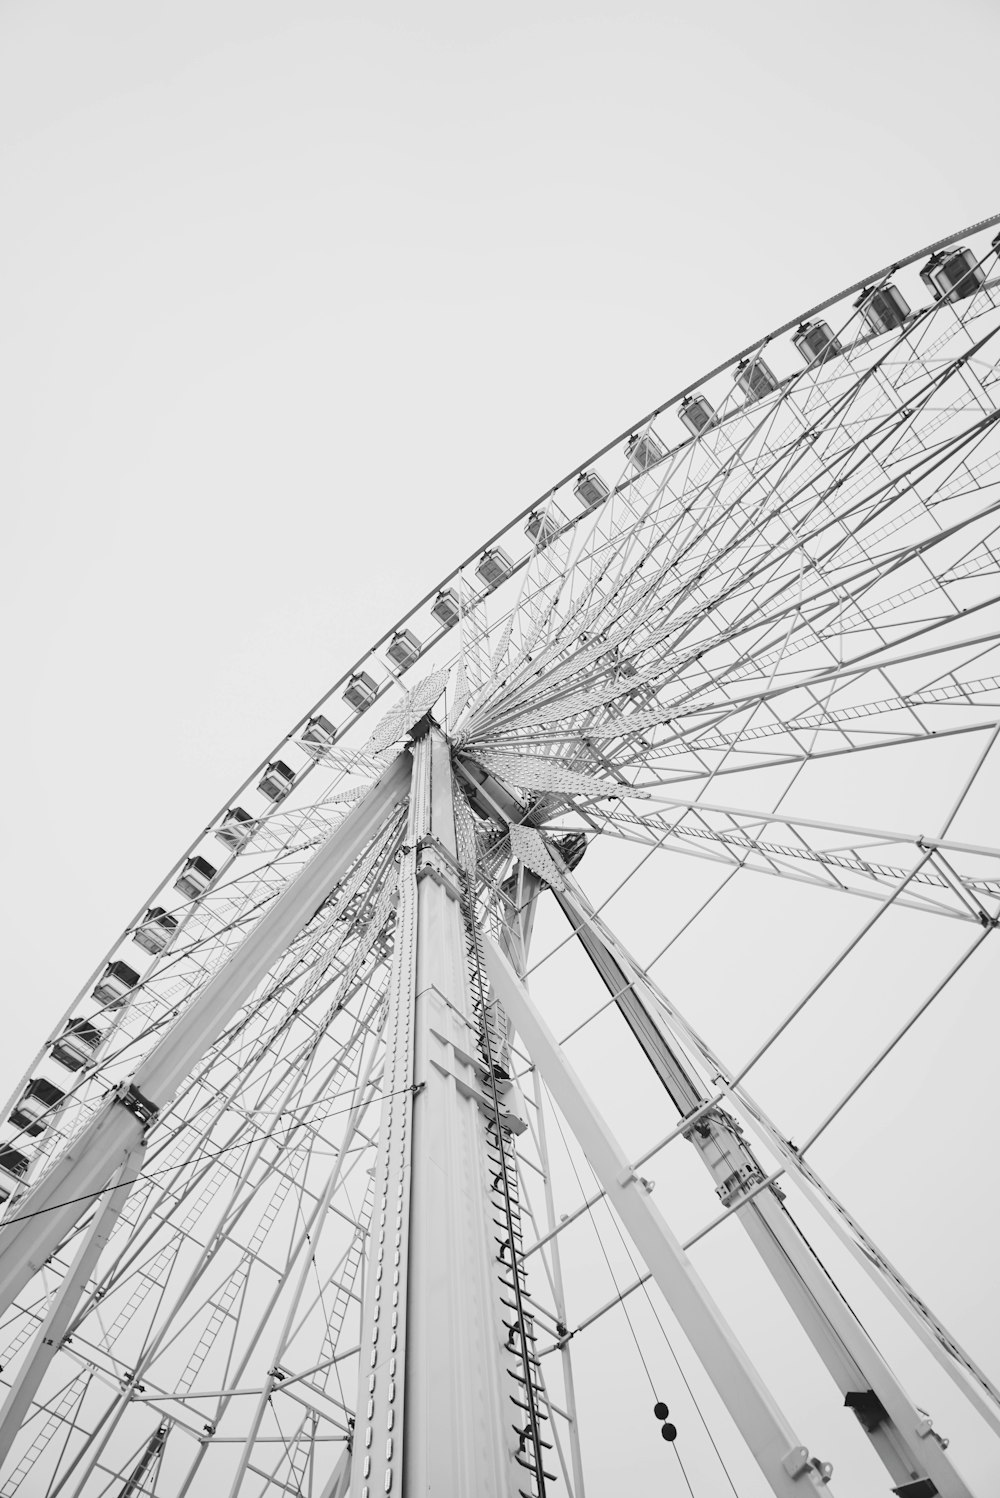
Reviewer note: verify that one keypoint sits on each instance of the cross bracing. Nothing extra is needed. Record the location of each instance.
(319, 1024)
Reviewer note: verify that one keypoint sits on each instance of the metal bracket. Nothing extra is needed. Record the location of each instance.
(717, 1130)
(461, 1063)
(798, 1463)
(926, 1428)
(434, 861)
(136, 1103)
(628, 1176)
(739, 1183)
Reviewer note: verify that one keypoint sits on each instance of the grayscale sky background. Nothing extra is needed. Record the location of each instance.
(300, 301)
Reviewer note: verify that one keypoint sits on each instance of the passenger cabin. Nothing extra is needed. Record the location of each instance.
(360, 692)
(77, 1044)
(445, 608)
(236, 829)
(403, 649)
(14, 1166)
(39, 1098)
(156, 931)
(755, 379)
(883, 309)
(643, 450)
(541, 528)
(493, 566)
(317, 737)
(116, 985)
(816, 341)
(195, 877)
(696, 412)
(591, 490)
(276, 781)
(951, 275)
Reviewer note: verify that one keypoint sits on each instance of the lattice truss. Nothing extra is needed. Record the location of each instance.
(231, 1191)
(814, 576)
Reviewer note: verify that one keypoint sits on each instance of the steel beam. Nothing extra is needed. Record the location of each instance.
(782, 1458)
(338, 1484)
(49, 1336)
(433, 1399)
(52, 1208)
(898, 1430)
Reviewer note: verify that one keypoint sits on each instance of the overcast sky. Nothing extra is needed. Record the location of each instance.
(300, 301)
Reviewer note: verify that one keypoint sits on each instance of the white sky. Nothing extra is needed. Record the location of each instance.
(299, 302)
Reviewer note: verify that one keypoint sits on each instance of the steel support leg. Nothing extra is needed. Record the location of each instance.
(897, 1429)
(55, 1323)
(52, 1208)
(784, 1461)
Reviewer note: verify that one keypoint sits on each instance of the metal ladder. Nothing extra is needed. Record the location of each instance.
(346, 1280)
(58, 1413)
(222, 1303)
(528, 1397)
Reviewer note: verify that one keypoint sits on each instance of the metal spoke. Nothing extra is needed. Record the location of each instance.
(281, 1210)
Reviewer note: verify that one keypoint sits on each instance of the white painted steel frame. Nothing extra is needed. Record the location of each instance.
(758, 619)
(973, 1383)
(54, 1205)
(55, 1324)
(433, 1414)
(903, 1437)
(782, 1458)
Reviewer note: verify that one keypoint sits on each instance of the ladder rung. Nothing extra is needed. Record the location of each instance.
(539, 1414)
(526, 1435)
(531, 1467)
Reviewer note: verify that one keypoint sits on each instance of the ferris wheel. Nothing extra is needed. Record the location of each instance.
(513, 997)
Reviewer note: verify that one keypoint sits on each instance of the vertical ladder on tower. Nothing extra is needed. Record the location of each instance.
(528, 1397)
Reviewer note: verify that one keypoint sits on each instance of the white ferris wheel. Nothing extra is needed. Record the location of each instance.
(510, 1004)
